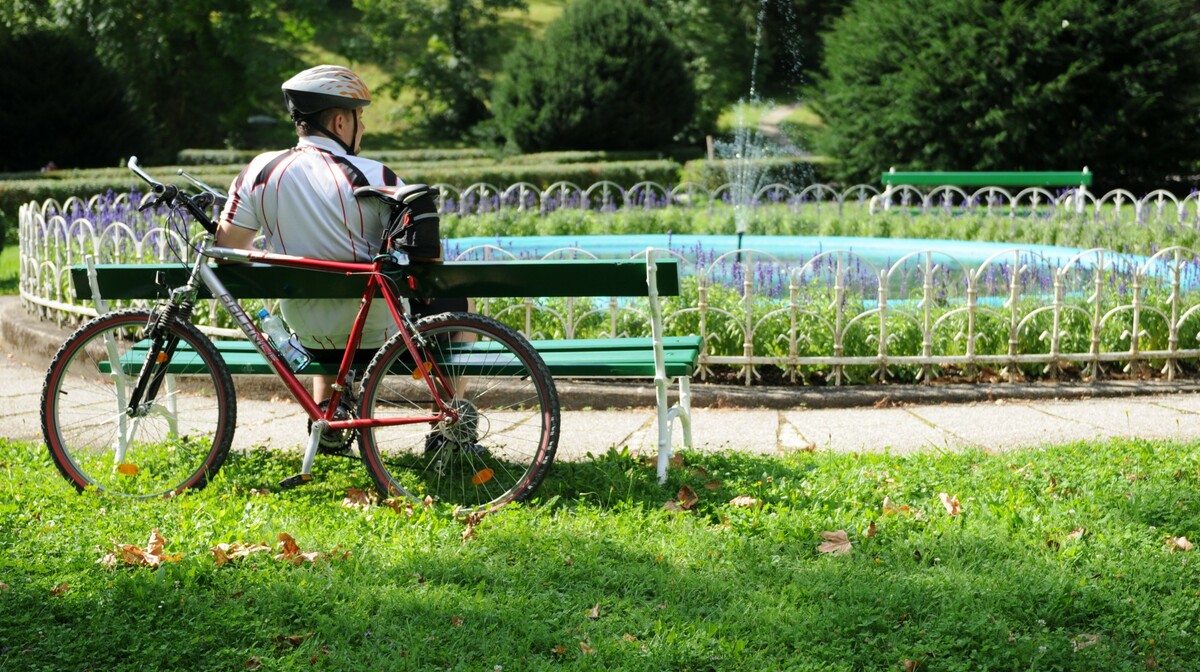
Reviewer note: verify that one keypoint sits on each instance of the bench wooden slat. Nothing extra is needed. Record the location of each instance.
(576, 277)
(600, 359)
(542, 346)
(1046, 178)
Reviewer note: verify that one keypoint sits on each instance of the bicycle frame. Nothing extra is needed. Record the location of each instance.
(377, 281)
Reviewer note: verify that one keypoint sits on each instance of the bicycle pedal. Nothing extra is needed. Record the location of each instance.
(294, 481)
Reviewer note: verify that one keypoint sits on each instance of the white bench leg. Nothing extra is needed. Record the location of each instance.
(685, 409)
(664, 428)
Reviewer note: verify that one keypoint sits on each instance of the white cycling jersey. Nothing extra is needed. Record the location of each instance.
(302, 201)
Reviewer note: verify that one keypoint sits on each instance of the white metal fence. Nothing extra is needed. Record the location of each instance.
(832, 318)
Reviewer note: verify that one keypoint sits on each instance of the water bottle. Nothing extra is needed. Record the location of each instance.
(285, 344)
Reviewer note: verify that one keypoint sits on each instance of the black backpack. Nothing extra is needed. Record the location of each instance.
(414, 227)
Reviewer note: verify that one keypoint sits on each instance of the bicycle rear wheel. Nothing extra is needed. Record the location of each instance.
(175, 438)
(503, 444)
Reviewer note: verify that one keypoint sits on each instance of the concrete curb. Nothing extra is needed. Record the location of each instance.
(34, 342)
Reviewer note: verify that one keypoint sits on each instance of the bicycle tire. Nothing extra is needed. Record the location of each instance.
(176, 442)
(505, 443)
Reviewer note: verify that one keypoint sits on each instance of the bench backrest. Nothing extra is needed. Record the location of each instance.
(988, 179)
(583, 277)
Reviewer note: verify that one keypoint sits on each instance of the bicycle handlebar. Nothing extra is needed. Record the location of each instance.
(169, 195)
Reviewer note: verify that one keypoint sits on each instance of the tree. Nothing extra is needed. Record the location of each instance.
(605, 76)
(1014, 85)
(717, 42)
(195, 70)
(436, 49)
(72, 113)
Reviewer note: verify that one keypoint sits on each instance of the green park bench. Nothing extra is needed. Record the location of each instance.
(1051, 178)
(893, 179)
(656, 357)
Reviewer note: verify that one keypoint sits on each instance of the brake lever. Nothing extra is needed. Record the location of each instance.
(165, 193)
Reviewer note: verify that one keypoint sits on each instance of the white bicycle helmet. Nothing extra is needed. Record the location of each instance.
(321, 88)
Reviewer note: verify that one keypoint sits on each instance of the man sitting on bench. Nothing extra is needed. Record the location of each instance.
(302, 200)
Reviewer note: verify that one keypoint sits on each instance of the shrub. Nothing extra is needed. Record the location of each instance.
(1013, 85)
(605, 76)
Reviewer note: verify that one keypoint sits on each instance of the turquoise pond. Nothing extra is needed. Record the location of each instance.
(879, 252)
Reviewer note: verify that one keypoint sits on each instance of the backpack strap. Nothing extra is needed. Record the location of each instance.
(394, 195)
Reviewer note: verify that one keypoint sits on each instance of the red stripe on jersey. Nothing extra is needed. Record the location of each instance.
(338, 177)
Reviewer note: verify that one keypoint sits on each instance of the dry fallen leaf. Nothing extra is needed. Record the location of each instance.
(152, 556)
(428, 502)
(712, 485)
(289, 551)
(288, 548)
(673, 506)
(1178, 544)
(358, 499)
(587, 650)
(4, 586)
(1082, 641)
(284, 641)
(471, 520)
(226, 553)
(871, 530)
(156, 543)
(836, 543)
(687, 497)
(890, 508)
(951, 503)
(744, 501)
(558, 650)
(1077, 533)
(911, 665)
(676, 461)
(403, 507)
(629, 638)
(595, 612)
(61, 589)
(457, 621)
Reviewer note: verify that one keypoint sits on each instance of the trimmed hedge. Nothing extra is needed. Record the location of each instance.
(239, 157)
(792, 171)
(61, 185)
(213, 157)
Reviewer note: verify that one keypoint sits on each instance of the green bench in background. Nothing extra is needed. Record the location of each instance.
(893, 179)
(657, 357)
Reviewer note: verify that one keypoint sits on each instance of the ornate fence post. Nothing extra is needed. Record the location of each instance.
(1014, 320)
(1092, 372)
(1172, 365)
(927, 319)
(748, 316)
(882, 372)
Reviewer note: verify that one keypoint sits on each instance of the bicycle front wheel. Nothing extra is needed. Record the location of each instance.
(174, 437)
(503, 442)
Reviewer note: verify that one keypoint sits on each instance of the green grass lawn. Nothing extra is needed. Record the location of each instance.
(1059, 559)
(10, 269)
